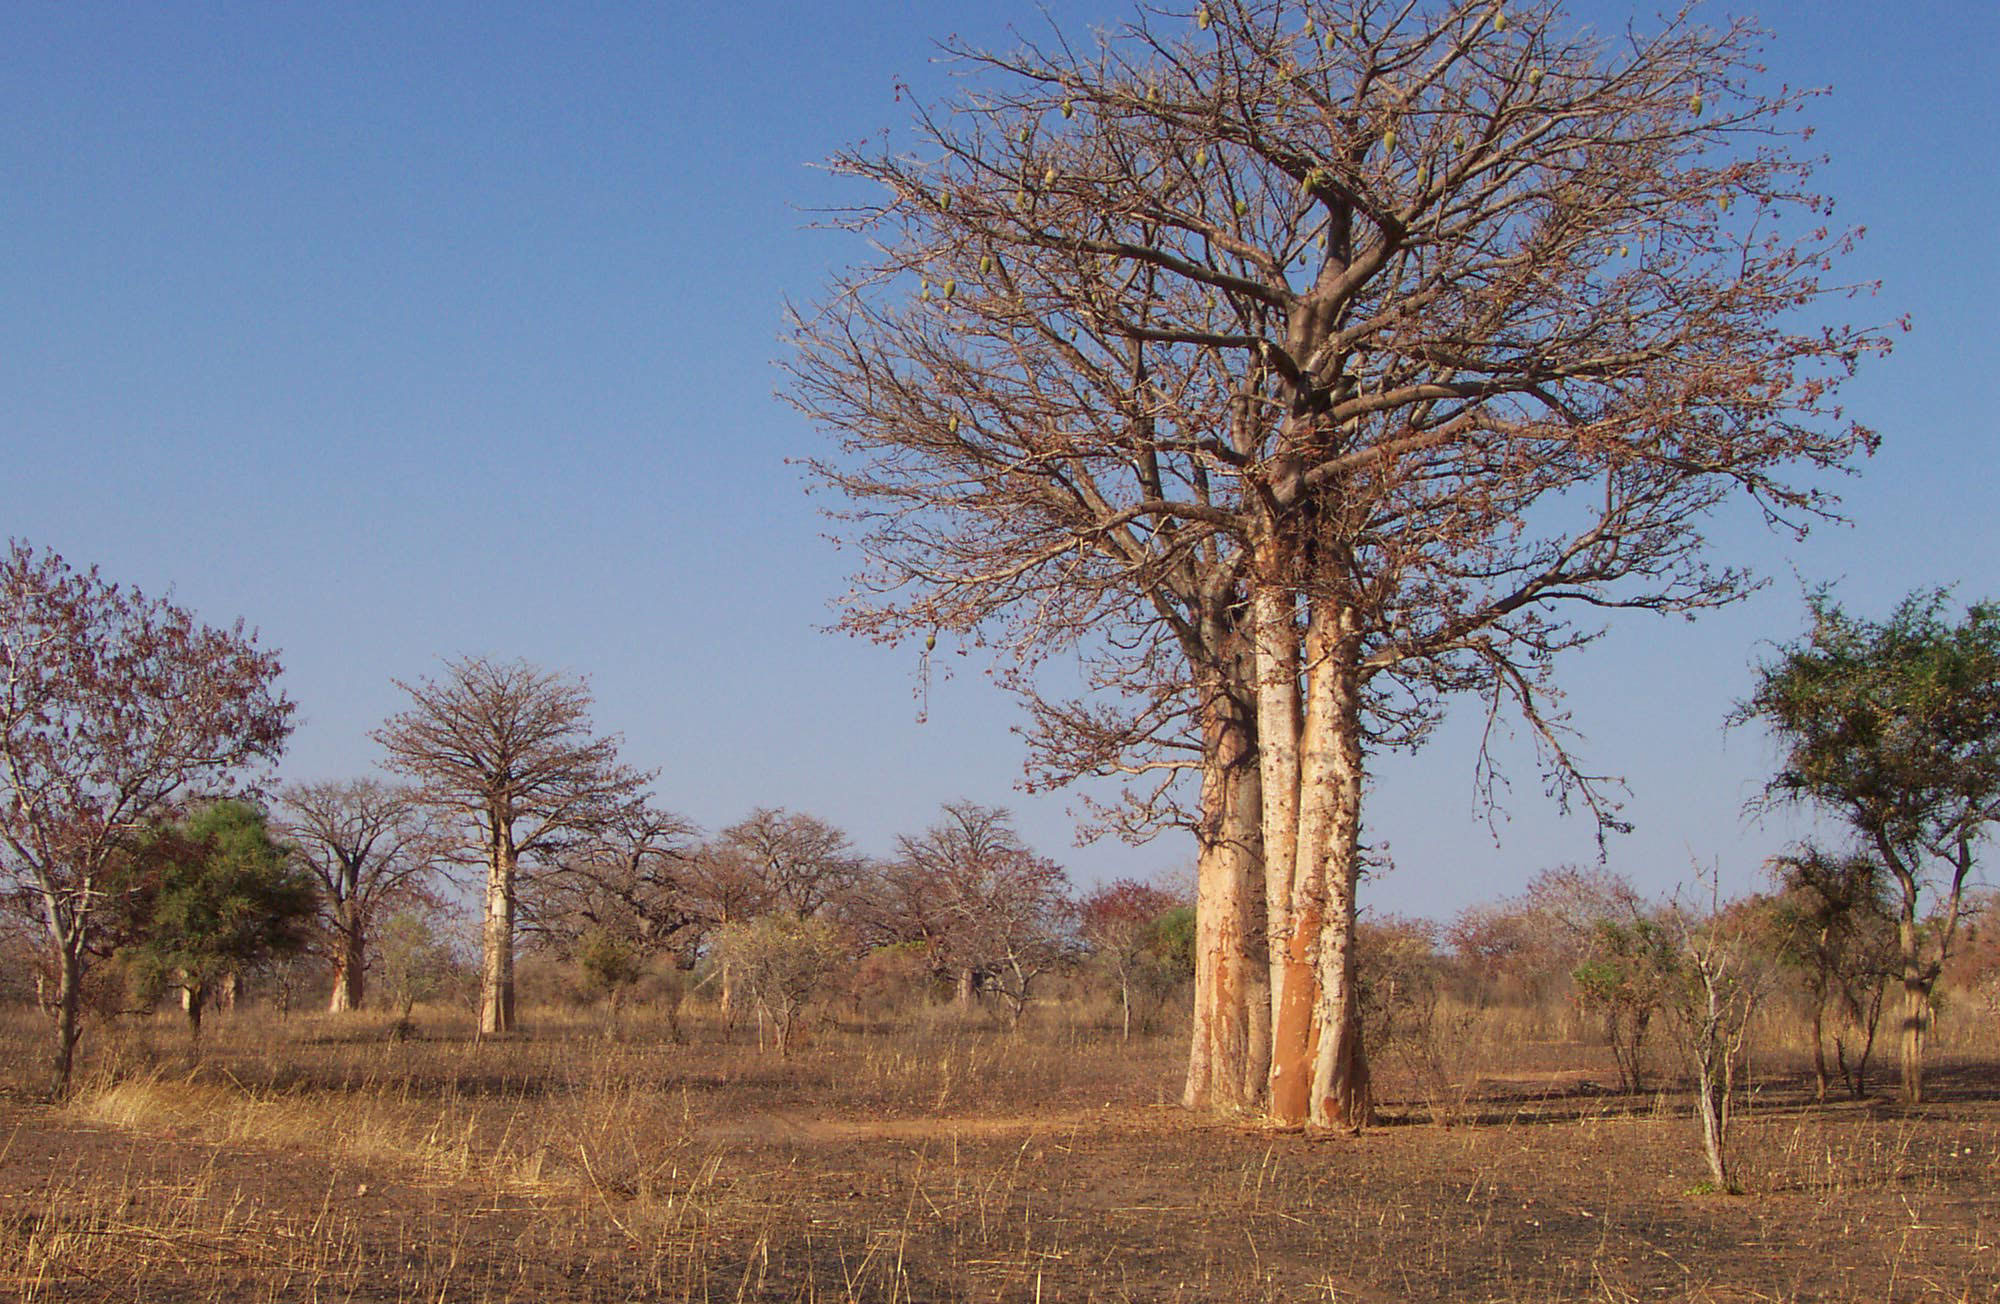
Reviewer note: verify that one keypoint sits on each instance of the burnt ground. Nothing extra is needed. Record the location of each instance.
(1032, 1173)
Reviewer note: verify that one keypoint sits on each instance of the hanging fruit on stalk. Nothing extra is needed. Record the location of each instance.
(1202, 18)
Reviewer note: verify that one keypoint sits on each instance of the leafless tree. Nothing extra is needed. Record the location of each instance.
(114, 707)
(792, 862)
(994, 911)
(631, 879)
(373, 847)
(1299, 367)
(508, 748)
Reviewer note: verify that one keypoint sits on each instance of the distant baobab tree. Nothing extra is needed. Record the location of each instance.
(507, 748)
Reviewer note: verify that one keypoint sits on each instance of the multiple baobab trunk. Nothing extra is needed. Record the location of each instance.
(1294, 371)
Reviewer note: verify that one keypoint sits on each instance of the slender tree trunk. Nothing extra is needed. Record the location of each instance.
(967, 986)
(69, 1012)
(1229, 1049)
(496, 975)
(1713, 1099)
(1916, 1010)
(350, 968)
(1819, 1045)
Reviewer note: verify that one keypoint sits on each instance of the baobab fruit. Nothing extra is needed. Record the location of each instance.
(985, 264)
(1241, 208)
(1694, 104)
(1048, 176)
(1069, 108)
(950, 288)
(1389, 141)
(1458, 141)
(1201, 156)
(1534, 76)
(930, 640)
(944, 200)
(1201, 18)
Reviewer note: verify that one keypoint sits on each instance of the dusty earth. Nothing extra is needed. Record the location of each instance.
(980, 1167)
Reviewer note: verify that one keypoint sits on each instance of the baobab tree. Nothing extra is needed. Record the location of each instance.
(1301, 367)
(508, 748)
(372, 847)
(989, 906)
(114, 707)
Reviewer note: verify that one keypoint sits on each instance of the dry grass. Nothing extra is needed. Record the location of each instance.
(936, 1158)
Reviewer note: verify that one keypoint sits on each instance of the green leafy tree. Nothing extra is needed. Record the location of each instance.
(611, 964)
(1894, 727)
(211, 895)
(1626, 977)
(1831, 928)
(413, 962)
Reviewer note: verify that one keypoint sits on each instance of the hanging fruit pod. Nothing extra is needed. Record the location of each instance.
(1022, 199)
(1423, 177)
(1241, 208)
(1311, 27)
(1722, 202)
(1048, 176)
(951, 425)
(1624, 251)
(1201, 156)
(1534, 77)
(1458, 141)
(1068, 108)
(925, 292)
(1694, 104)
(1328, 42)
(1389, 140)
(986, 264)
(949, 288)
(930, 640)
(1499, 19)
(1026, 135)
(944, 201)
(1202, 18)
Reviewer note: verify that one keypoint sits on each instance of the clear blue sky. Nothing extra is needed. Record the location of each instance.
(404, 331)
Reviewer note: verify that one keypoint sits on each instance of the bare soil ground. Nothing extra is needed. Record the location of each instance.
(315, 1161)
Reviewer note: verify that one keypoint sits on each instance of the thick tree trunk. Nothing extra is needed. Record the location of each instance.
(1230, 1044)
(1289, 915)
(1340, 1092)
(496, 974)
(350, 968)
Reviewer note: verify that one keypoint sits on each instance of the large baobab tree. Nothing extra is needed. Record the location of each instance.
(1302, 366)
(114, 707)
(508, 748)
(373, 847)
